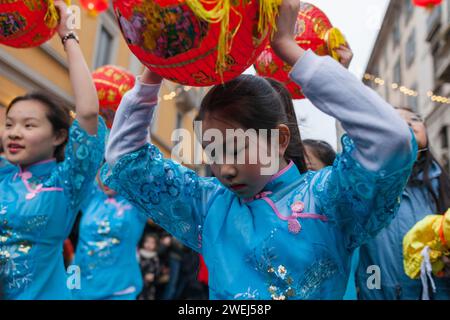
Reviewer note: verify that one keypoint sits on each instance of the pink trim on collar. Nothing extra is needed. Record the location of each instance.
(36, 163)
(119, 207)
(260, 195)
(280, 173)
(311, 216)
(45, 161)
(294, 225)
(25, 176)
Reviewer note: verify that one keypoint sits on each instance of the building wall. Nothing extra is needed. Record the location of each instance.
(2, 122)
(390, 51)
(393, 46)
(438, 119)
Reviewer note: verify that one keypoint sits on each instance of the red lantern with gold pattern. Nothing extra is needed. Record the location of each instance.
(112, 83)
(196, 42)
(429, 4)
(95, 7)
(313, 31)
(27, 23)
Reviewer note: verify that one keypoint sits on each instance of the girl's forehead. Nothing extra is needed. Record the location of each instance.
(220, 123)
(27, 109)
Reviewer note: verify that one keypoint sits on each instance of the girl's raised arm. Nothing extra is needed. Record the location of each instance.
(361, 192)
(173, 196)
(130, 128)
(85, 149)
(86, 99)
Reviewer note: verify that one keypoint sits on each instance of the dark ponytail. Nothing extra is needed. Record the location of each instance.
(256, 103)
(442, 198)
(295, 150)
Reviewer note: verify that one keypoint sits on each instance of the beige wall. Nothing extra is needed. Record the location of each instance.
(2, 121)
(420, 73)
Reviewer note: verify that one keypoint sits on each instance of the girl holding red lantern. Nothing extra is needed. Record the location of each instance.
(313, 31)
(284, 236)
(55, 163)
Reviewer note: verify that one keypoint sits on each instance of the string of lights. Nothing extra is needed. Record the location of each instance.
(368, 77)
(173, 94)
(405, 90)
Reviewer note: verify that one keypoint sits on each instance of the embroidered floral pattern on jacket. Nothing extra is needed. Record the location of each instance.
(83, 156)
(15, 267)
(37, 208)
(283, 283)
(163, 189)
(359, 201)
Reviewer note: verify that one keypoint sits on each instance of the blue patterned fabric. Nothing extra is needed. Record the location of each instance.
(110, 229)
(249, 250)
(295, 239)
(359, 202)
(37, 210)
(351, 291)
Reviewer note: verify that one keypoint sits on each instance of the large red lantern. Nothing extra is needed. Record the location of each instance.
(196, 42)
(429, 4)
(27, 23)
(313, 31)
(112, 83)
(95, 7)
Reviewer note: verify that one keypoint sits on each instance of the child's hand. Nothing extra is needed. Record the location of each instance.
(149, 77)
(63, 29)
(345, 55)
(283, 42)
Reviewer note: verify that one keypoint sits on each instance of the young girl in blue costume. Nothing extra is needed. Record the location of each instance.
(110, 230)
(286, 236)
(39, 199)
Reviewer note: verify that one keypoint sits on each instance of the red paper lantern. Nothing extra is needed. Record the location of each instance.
(112, 83)
(313, 31)
(169, 38)
(27, 23)
(429, 4)
(95, 7)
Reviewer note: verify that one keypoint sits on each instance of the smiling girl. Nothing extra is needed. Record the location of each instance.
(55, 161)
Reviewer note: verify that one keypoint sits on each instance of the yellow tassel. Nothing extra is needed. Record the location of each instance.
(151, 9)
(220, 13)
(93, 13)
(268, 12)
(51, 18)
(334, 38)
